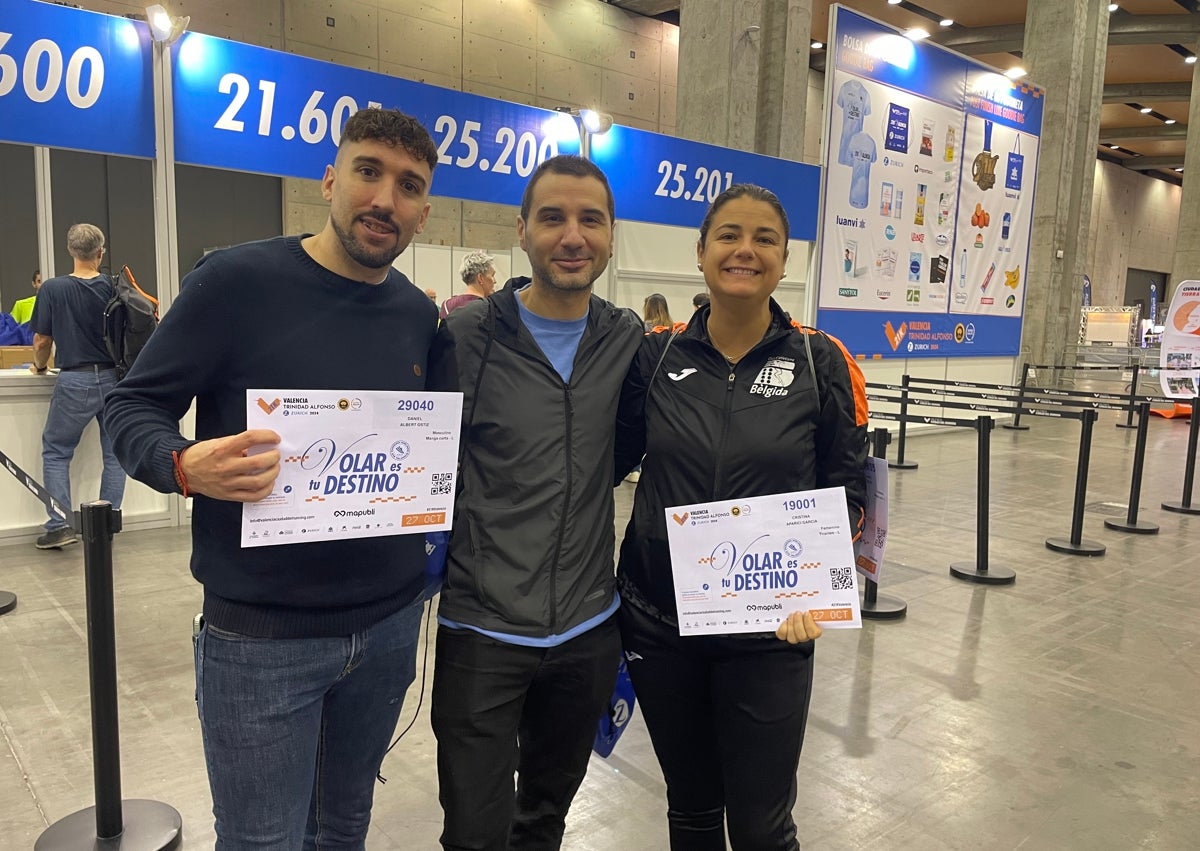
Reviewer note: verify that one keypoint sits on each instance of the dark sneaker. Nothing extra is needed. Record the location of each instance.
(57, 539)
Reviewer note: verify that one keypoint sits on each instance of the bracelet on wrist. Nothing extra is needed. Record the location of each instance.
(180, 478)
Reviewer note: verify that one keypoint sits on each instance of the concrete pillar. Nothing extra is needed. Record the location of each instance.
(783, 78)
(1066, 42)
(1187, 240)
(719, 44)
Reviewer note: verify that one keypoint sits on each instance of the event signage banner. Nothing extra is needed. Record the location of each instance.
(661, 179)
(75, 79)
(248, 108)
(928, 202)
(1179, 355)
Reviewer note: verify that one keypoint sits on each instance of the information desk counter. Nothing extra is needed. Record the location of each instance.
(24, 402)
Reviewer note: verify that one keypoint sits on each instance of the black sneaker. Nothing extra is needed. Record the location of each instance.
(57, 539)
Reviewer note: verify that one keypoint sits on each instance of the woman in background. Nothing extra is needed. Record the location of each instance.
(726, 713)
(655, 313)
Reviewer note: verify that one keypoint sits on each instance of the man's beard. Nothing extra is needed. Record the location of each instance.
(360, 254)
(567, 284)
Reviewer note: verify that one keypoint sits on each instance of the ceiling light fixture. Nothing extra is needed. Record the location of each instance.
(1179, 169)
(947, 22)
(816, 45)
(1112, 7)
(1114, 147)
(916, 34)
(893, 2)
(1191, 60)
(1145, 110)
(1015, 73)
(1168, 121)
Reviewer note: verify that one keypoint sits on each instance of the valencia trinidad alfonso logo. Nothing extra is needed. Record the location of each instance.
(680, 519)
(895, 336)
(268, 407)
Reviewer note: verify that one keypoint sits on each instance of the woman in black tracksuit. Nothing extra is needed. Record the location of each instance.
(734, 405)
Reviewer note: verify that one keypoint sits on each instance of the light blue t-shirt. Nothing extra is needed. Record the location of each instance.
(559, 341)
(557, 338)
(862, 153)
(855, 102)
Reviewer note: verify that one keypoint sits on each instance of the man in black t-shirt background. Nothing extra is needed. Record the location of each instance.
(69, 315)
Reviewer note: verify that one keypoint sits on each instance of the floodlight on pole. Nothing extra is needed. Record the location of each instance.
(164, 28)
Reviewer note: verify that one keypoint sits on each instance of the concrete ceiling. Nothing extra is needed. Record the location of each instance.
(1148, 40)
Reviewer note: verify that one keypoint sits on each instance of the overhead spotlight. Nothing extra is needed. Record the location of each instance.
(1179, 169)
(1015, 73)
(1112, 7)
(1145, 110)
(1168, 121)
(1114, 147)
(1191, 60)
(946, 22)
(893, 2)
(163, 28)
(595, 122)
(816, 45)
(916, 34)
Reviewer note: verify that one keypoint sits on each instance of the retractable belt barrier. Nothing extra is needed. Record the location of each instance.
(132, 825)
(1075, 545)
(43, 496)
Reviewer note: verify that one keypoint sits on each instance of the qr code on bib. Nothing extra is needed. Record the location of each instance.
(841, 578)
(441, 484)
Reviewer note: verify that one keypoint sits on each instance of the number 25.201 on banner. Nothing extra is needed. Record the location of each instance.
(706, 183)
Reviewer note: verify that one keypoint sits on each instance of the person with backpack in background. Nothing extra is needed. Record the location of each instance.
(69, 315)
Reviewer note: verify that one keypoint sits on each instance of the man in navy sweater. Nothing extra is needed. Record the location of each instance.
(306, 649)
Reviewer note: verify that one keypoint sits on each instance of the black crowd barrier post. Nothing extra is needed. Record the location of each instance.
(1132, 401)
(876, 606)
(1131, 522)
(979, 571)
(1185, 505)
(1015, 425)
(131, 825)
(1076, 545)
(900, 463)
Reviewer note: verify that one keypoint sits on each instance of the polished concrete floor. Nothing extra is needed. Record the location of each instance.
(1059, 712)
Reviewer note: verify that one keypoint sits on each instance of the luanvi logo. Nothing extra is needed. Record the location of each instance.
(895, 336)
(268, 407)
(682, 374)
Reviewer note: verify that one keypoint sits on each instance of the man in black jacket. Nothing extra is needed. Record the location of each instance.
(527, 647)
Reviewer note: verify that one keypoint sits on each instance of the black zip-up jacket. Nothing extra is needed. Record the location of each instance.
(531, 552)
(712, 431)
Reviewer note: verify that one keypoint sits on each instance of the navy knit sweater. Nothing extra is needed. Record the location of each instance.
(266, 315)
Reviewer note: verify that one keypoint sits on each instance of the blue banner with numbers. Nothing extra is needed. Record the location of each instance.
(74, 79)
(252, 109)
(662, 179)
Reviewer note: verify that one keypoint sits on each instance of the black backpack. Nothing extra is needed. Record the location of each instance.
(130, 317)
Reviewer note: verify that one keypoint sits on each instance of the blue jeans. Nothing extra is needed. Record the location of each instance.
(295, 731)
(78, 399)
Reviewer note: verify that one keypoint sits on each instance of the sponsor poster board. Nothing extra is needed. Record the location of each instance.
(1180, 352)
(928, 205)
